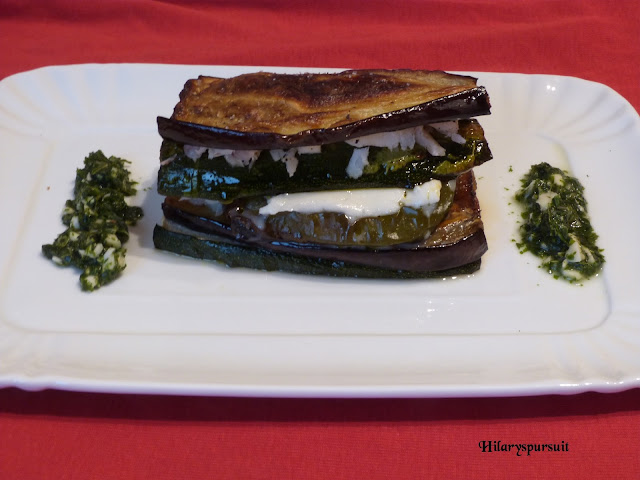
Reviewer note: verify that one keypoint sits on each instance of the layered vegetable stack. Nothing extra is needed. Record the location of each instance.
(363, 173)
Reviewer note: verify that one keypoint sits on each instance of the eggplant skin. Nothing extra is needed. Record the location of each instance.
(281, 111)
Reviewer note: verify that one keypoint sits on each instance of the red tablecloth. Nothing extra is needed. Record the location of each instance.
(56, 434)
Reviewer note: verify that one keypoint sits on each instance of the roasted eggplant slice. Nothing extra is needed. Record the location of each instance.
(269, 111)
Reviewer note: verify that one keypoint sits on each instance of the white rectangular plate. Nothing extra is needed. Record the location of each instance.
(178, 325)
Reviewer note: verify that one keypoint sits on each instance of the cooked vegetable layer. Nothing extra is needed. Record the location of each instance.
(265, 110)
(243, 218)
(457, 240)
(215, 178)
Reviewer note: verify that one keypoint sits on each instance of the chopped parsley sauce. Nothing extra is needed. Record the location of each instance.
(98, 220)
(556, 226)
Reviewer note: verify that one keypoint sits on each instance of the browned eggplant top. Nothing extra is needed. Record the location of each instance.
(287, 104)
(269, 110)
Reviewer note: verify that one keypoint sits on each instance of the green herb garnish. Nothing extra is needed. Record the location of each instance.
(556, 225)
(98, 220)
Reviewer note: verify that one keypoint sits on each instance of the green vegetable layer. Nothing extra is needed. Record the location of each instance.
(215, 179)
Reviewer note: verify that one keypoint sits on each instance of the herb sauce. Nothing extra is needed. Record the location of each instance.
(97, 219)
(556, 225)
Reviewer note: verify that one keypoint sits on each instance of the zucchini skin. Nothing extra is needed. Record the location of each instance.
(236, 255)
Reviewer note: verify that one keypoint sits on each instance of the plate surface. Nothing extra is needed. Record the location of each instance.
(178, 325)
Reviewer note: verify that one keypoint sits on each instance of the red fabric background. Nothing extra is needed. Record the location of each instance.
(56, 434)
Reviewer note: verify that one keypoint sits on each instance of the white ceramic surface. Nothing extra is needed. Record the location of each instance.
(177, 325)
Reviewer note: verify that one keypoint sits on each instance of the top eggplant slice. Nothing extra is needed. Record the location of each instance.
(280, 111)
